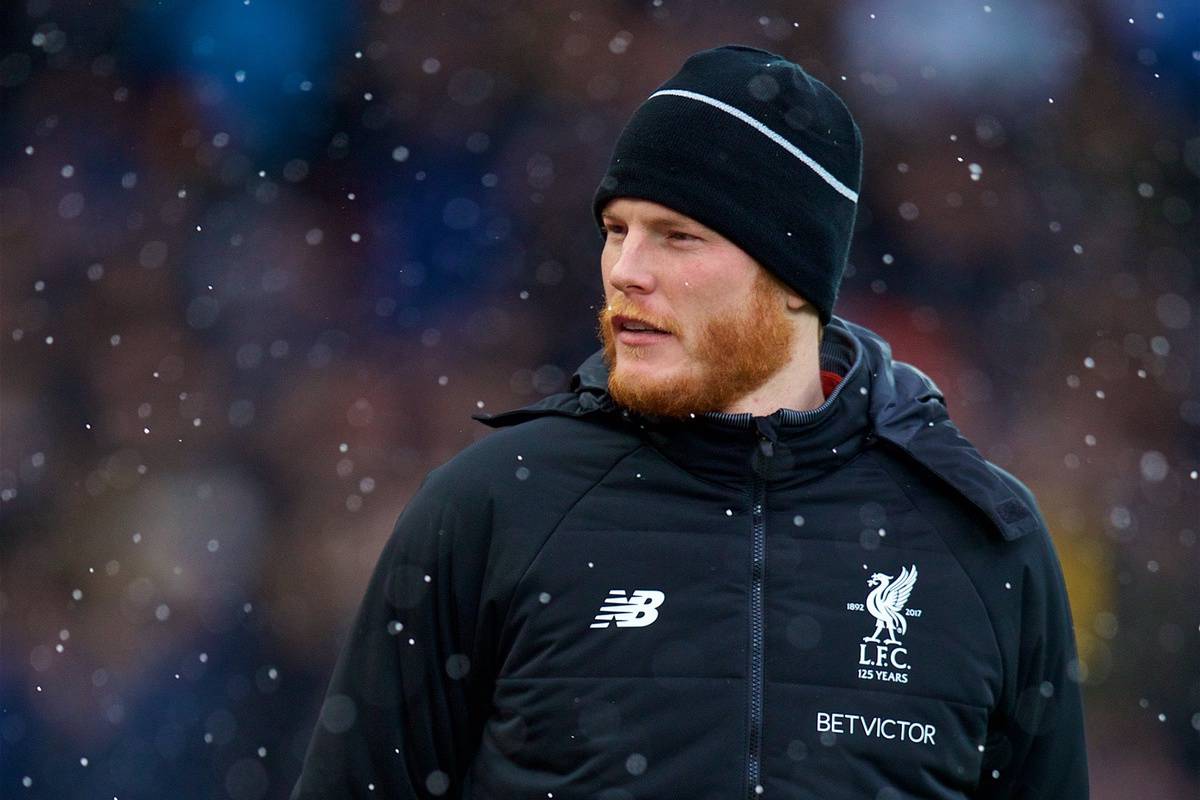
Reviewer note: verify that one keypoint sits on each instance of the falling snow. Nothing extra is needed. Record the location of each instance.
(252, 295)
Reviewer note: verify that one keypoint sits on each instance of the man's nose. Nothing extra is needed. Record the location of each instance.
(634, 270)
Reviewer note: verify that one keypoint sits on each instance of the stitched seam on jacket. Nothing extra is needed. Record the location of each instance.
(737, 678)
(740, 487)
(557, 525)
(970, 580)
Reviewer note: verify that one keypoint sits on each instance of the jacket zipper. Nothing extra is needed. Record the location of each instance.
(764, 451)
(766, 440)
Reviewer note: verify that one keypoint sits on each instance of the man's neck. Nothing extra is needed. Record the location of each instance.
(797, 386)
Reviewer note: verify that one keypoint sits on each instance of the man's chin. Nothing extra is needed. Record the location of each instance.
(645, 362)
(648, 370)
(642, 388)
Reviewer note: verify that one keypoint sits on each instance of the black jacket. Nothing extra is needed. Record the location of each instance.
(842, 602)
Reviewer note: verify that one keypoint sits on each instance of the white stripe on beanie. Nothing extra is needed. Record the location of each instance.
(841, 188)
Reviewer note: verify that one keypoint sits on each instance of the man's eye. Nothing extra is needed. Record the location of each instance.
(684, 235)
(607, 229)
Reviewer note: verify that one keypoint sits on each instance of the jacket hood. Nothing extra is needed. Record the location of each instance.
(877, 397)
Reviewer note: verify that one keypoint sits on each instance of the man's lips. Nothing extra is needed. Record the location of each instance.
(622, 323)
(640, 338)
(635, 337)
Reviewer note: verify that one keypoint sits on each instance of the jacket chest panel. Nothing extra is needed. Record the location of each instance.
(834, 609)
(646, 603)
(853, 593)
(894, 620)
(881, 670)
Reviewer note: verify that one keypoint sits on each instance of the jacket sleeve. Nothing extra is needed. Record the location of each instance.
(406, 703)
(1036, 748)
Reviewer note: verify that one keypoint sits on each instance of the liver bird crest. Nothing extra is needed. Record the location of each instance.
(886, 603)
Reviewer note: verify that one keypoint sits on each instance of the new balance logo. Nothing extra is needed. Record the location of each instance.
(636, 611)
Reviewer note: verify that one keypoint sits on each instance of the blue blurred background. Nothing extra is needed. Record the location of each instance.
(261, 260)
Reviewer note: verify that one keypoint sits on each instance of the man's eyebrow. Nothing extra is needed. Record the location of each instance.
(657, 221)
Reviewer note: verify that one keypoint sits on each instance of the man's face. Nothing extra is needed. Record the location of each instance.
(725, 327)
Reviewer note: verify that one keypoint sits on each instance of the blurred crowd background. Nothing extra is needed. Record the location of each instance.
(261, 260)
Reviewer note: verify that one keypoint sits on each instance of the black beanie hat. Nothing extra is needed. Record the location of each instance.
(750, 145)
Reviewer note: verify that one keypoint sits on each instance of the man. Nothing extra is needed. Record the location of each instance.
(747, 554)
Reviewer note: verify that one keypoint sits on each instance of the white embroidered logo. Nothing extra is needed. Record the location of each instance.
(888, 659)
(886, 603)
(635, 611)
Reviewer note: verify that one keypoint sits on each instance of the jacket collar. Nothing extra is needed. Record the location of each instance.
(876, 398)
